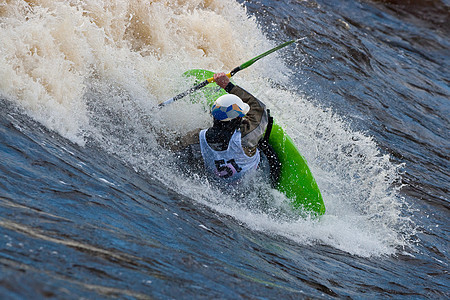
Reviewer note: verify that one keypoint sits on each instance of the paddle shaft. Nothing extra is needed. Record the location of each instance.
(234, 71)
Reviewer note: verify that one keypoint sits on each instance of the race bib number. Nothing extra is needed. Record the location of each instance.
(228, 169)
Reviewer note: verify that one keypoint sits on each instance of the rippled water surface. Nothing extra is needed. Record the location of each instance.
(91, 206)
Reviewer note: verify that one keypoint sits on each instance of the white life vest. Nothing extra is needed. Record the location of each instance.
(230, 164)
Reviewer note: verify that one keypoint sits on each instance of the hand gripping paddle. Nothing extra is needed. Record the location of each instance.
(234, 71)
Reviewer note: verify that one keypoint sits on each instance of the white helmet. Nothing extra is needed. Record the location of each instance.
(228, 107)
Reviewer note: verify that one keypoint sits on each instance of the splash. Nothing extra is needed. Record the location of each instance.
(93, 71)
(52, 50)
(365, 215)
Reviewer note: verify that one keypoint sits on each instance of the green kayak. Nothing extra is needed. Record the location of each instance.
(296, 180)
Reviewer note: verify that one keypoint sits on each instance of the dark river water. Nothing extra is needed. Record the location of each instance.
(92, 207)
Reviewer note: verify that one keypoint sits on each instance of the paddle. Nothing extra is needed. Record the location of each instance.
(234, 71)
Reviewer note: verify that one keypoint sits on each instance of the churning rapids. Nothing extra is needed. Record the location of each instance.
(91, 206)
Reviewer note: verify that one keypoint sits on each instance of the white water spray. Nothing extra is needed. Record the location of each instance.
(95, 70)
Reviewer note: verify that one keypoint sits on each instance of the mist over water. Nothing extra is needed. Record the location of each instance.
(92, 73)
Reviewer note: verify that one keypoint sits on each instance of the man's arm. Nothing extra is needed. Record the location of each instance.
(255, 122)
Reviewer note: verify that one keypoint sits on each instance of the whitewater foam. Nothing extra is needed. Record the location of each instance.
(95, 70)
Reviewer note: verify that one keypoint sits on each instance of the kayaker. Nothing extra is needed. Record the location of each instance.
(228, 149)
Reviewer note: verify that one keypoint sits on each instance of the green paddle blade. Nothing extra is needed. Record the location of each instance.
(210, 92)
(253, 60)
